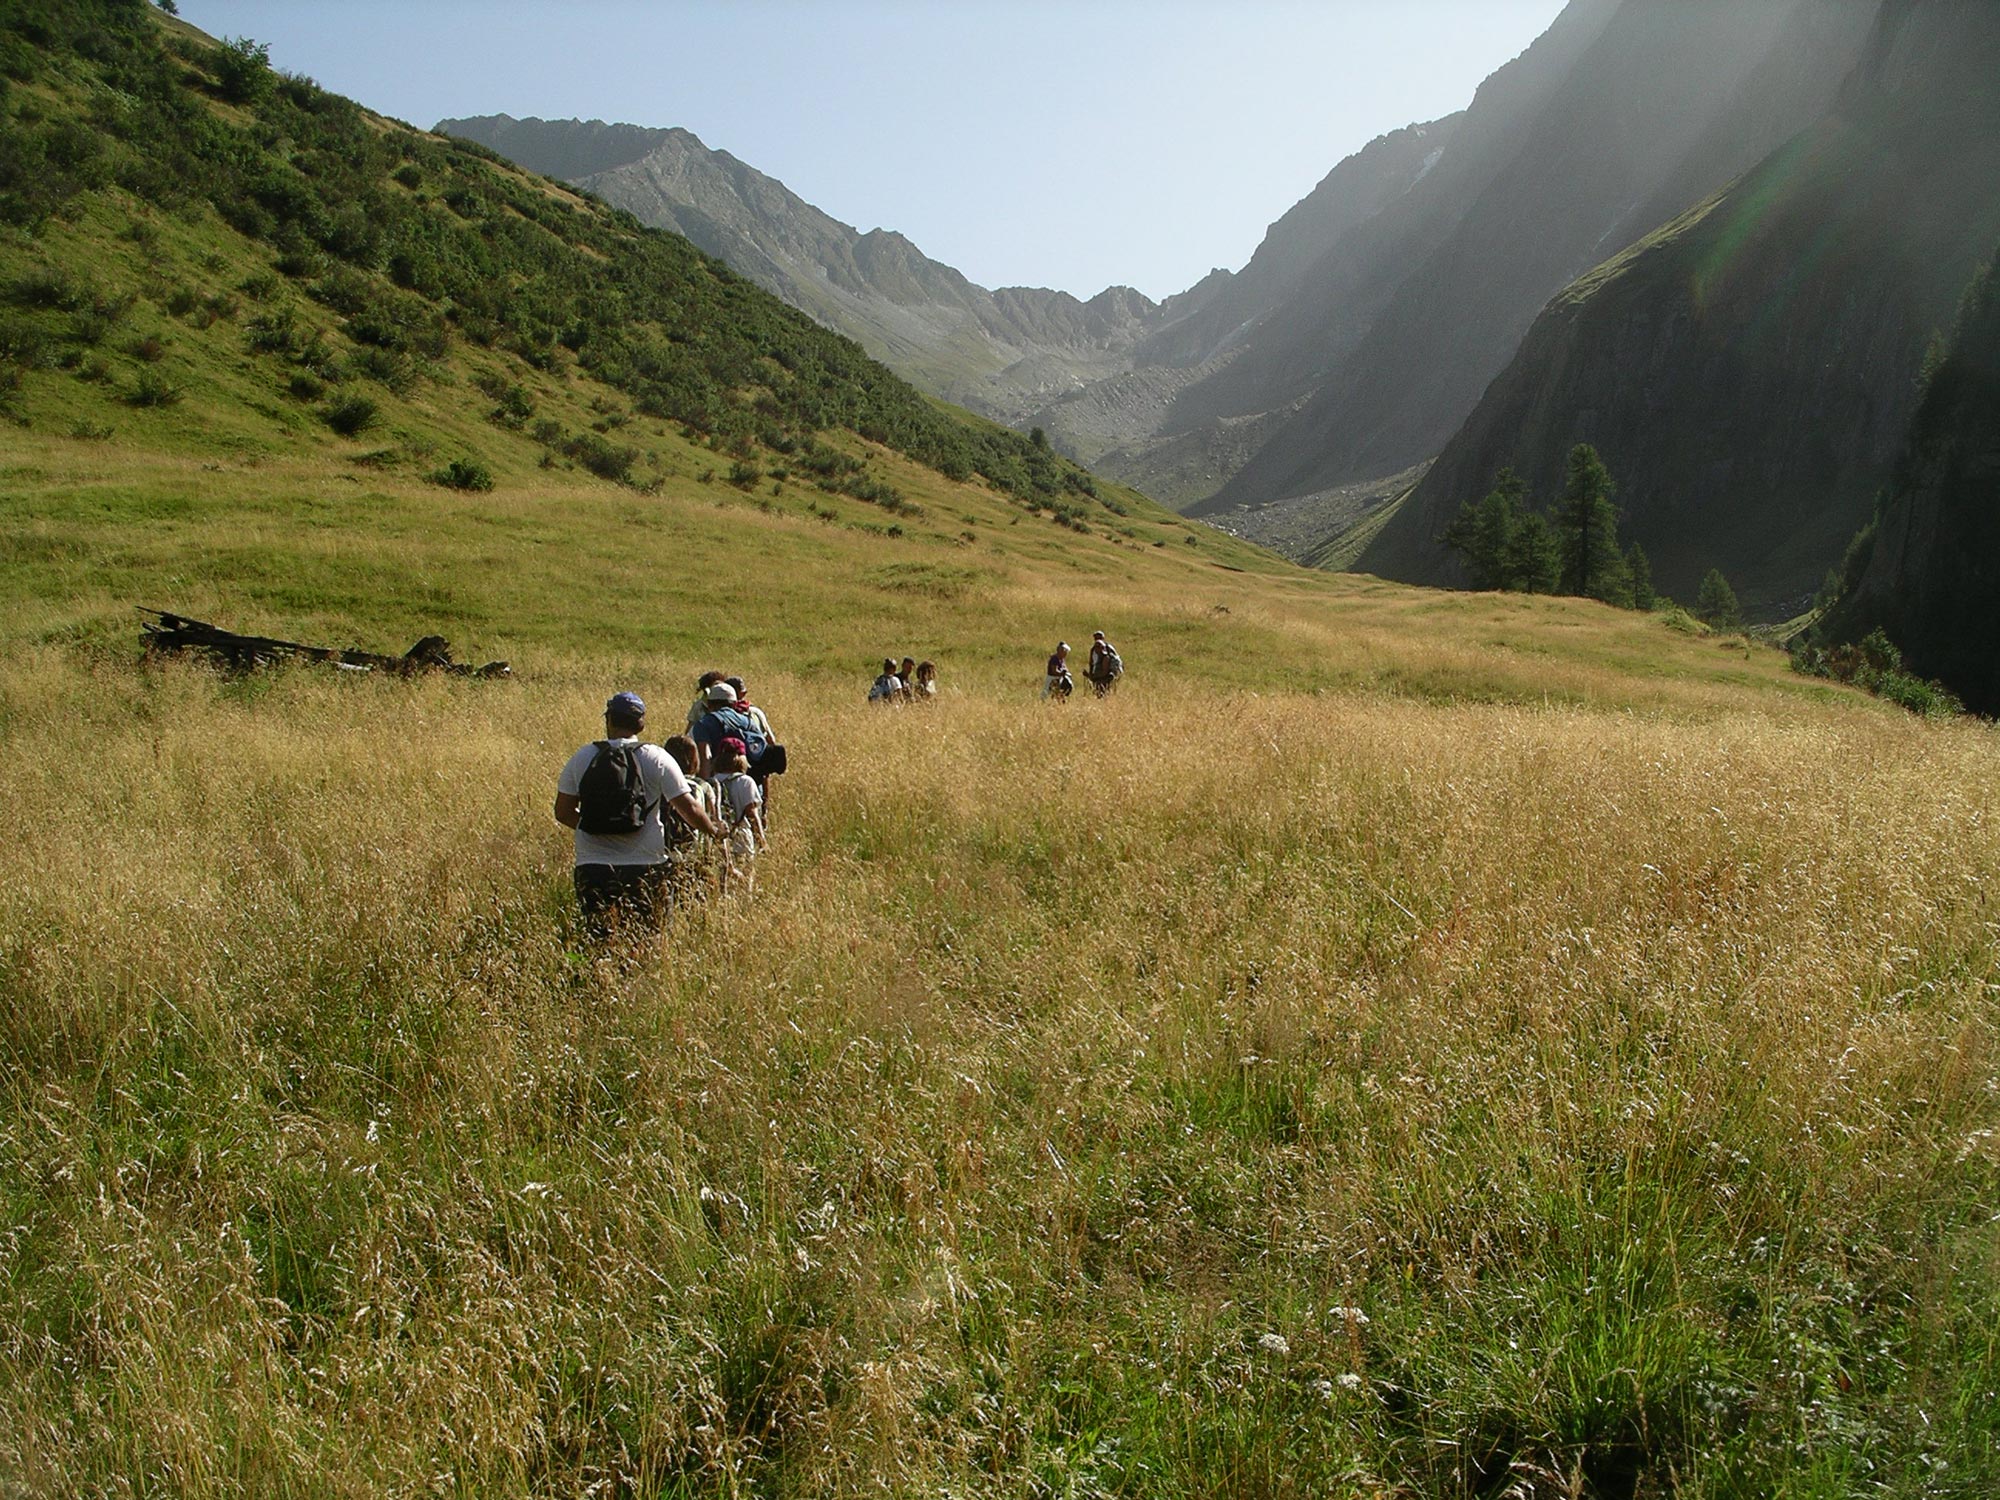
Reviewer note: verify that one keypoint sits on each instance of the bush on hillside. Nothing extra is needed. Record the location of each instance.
(154, 389)
(242, 70)
(351, 415)
(1875, 663)
(463, 474)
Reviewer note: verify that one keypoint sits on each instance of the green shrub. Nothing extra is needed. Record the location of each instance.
(351, 415)
(153, 389)
(242, 70)
(463, 474)
(92, 324)
(605, 460)
(273, 332)
(386, 367)
(50, 287)
(23, 342)
(1875, 664)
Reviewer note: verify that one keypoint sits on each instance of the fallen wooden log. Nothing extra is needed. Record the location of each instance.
(169, 634)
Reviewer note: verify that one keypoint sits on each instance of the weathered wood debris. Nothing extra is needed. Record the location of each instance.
(172, 635)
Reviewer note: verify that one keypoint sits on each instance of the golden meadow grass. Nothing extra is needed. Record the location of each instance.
(1602, 1012)
(1628, 1068)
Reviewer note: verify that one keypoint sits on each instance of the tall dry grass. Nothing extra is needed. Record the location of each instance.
(1203, 1092)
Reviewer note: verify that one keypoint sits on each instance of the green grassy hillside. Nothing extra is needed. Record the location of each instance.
(387, 263)
(1401, 1043)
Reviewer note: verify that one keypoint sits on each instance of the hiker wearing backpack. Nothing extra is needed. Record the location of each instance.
(741, 816)
(888, 687)
(1058, 684)
(727, 718)
(615, 793)
(1105, 666)
(768, 760)
(699, 707)
(690, 853)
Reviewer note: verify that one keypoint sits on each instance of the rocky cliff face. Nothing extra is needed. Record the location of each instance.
(1932, 569)
(1748, 373)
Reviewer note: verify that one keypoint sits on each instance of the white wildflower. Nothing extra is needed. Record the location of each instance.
(1353, 1316)
(1349, 1381)
(1274, 1343)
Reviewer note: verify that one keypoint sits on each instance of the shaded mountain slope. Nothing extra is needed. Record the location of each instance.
(1649, 118)
(1928, 572)
(1749, 372)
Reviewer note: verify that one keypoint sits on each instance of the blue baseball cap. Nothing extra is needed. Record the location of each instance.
(625, 706)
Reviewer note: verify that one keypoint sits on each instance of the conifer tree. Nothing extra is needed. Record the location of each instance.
(1715, 602)
(1534, 556)
(1587, 529)
(1481, 533)
(1639, 570)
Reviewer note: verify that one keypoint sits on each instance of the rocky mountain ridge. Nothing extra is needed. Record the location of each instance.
(1000, 351)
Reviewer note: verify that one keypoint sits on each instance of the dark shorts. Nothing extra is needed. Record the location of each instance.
(616, 896)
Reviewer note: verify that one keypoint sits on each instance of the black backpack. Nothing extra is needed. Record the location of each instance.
(611, 797)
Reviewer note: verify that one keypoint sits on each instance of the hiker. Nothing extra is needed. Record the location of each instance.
(699, 707)
(727, 718)
(1058, 684)
(924, 689)
(688, 850)
(1105, 667)
(756, 714)
(767, 756)
(742, 815)
(908, 673)
(887, 688)
(613, 793)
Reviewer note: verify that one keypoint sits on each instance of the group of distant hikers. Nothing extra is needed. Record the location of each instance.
(660, 823)
(656, 824)
(911, 682)
(1102, 671)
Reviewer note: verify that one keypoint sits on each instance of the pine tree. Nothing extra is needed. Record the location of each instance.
(1639, 569)
(1715, 603)
(1481, 533)
(1587, 529)
(1534, 556)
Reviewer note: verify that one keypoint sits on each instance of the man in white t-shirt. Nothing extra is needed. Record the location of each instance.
(622, 875)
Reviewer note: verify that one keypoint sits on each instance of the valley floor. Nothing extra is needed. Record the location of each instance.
(1400, 1043)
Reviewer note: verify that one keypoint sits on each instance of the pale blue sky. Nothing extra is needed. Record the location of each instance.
(1027, 143)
